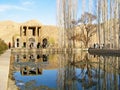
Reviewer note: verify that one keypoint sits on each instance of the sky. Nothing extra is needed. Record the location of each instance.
(24, 10)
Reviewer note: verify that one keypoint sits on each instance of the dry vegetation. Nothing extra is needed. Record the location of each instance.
(3, 46)
(88, 29)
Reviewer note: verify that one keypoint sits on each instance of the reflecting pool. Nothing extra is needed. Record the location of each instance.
(64, 71)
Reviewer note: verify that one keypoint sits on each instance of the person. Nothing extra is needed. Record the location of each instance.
(9, 45)
(94, 45)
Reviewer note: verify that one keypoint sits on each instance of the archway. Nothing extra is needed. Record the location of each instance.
(45, 43)
(31, 42)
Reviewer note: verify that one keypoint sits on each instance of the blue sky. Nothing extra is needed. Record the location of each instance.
(24, 10)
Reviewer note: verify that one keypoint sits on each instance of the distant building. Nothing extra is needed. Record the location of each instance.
(33, 34)
(30, 37)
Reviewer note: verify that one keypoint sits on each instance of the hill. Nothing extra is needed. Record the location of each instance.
(9, 28)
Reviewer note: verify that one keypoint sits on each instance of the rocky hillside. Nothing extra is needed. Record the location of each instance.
(10, 28)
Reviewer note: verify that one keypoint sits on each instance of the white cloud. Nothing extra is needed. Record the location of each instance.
(20, 8)
(12, 7)
(4, 7)
(28, 3)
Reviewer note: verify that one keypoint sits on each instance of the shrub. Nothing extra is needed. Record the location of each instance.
(3, 46)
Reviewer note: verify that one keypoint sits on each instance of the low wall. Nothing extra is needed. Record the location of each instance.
(114, 52)
(48, 50)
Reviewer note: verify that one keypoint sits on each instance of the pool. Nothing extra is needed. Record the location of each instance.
(64, 71)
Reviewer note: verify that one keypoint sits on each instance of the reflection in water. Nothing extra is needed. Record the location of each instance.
(30, 64)
(71, 71)
(30, 71)
(45, 58)
(88, 72)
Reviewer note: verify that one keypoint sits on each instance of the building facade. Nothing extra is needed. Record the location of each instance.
(29, 37)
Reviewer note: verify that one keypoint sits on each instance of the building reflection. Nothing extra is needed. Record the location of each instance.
(29, 64)
(30, 71)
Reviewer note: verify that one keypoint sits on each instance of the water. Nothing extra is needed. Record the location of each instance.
(72, 71)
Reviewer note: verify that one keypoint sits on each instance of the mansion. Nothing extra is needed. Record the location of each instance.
(34, 35)
(29, 37)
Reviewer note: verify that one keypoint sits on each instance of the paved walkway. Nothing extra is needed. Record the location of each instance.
(4, 69)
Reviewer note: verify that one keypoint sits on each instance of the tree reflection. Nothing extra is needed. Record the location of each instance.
(66, 72)
(87, 76)
(89, 72)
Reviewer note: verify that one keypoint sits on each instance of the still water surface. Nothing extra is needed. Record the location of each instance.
(66, 71)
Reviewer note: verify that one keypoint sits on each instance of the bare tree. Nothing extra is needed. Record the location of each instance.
(107, 17)
(87, 28)
(66, 12)
(87, 18)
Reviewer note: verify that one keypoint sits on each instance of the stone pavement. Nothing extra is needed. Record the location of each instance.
(4, 69)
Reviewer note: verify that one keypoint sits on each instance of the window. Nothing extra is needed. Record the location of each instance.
(17, 44)
(24, 44)
(38, 56)
(45, 58)
(25, 29)
(24, 56)
(17, 39)
(33, 32)
(38, 32)
(24, 32)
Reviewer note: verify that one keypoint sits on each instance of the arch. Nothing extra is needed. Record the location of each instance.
(17, 42)
(31, 42)
(38, 45)
(44, 43)
(45, 58)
